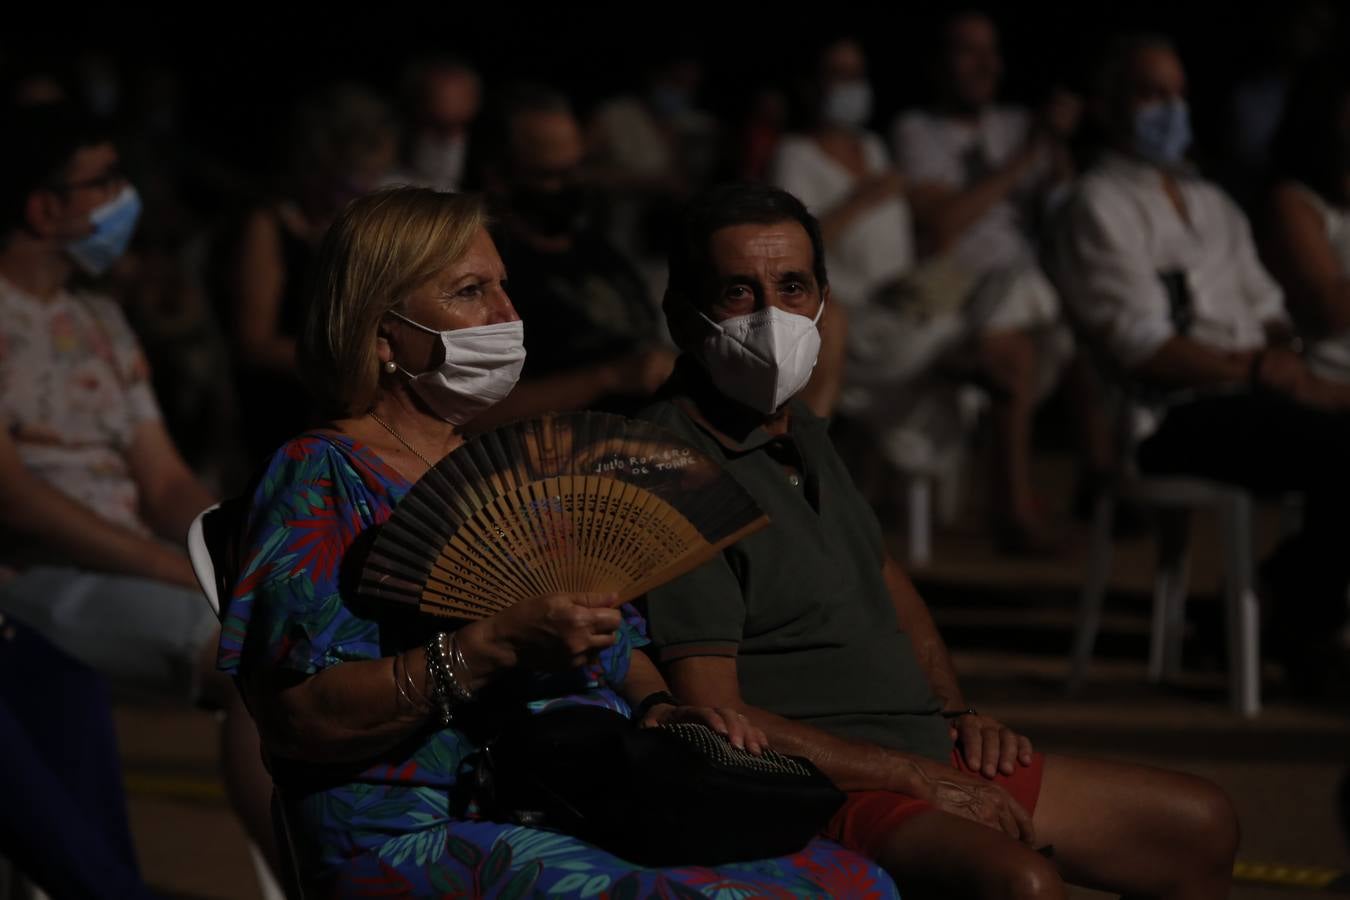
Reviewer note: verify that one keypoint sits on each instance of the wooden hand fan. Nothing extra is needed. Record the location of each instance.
(585, 502)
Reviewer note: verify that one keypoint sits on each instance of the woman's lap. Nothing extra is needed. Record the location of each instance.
(490, 859)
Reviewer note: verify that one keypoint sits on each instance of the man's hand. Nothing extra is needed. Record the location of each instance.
(641, 373)
(974, 798)
(988, 746)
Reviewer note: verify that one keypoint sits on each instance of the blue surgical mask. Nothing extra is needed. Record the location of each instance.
(1162, 132)
(114, 223)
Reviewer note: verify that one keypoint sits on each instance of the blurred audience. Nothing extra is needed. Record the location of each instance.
(442, 98)
(1307, 235)
(95, 499)
(1162, 273)
(984, 178)
(757, 142)
(649, 149)
(344, 143)
(1296, 40)
(592, 332)
(916, 337)
(64, 820)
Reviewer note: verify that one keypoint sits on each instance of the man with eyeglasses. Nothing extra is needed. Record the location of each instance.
(95, 500)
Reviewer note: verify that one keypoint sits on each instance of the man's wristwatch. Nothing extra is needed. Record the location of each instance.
(652, 700)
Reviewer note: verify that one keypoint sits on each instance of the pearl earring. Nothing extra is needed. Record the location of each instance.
(390, 367)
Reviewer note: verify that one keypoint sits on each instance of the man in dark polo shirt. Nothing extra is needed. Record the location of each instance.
(817, 636)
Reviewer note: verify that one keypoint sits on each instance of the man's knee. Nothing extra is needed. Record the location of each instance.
(1024, 875)
(1206, 814)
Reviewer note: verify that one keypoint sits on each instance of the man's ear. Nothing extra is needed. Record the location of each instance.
(42, 213)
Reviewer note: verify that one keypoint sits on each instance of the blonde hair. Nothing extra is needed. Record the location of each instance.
(380, 249)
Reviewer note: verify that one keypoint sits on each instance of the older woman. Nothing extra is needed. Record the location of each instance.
(409, 335)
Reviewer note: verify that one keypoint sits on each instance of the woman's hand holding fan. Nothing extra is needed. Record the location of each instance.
(555, 631)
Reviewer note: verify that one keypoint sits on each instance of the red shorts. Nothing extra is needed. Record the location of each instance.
(866, 817)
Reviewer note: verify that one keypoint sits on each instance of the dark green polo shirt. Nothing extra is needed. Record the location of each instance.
(801, 605)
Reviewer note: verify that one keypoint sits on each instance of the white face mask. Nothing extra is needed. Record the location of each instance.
(847, 104)
(762, 359)
(482, 365)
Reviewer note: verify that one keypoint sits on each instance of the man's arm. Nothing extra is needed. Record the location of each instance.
(943, 213)
(852, 765)
(171, 495)
(987, 745)
(914, 619)
(72, 533)
(639, 374)
(1182, 362)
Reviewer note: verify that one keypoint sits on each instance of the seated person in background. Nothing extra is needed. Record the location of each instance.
(984, 179)
(94, 498)
(1159, 268)
(650, 148)
(64, 820)
(593, 334)
(907, 365)
(813, 633)
(1307, 235)
(443, 97)
(375, 787)
(344, 143)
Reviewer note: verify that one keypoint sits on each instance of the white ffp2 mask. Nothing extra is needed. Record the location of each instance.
(761, 359)
(482, 365)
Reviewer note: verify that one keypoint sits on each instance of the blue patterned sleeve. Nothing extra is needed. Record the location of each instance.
(287, 608)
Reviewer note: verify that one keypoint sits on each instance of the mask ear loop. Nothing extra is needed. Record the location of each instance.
(419, 326)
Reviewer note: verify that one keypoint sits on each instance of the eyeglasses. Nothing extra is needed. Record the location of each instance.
(111, 178)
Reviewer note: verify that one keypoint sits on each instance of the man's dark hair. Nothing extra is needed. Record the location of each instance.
(734, 204)
(1111, 78)
(41, 142)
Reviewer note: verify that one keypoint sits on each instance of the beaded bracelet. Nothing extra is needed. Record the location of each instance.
(458, 661)
(438, 676)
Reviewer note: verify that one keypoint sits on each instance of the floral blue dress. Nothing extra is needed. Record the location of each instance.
(402, 824)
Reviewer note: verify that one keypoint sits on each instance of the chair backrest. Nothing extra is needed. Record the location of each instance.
(213, 549)
(203, 564)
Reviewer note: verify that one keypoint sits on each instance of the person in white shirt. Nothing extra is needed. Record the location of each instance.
(443, 97)
(1160, 270)
(915, 339)
(981, 173)
(984, 178)
(1307, 238)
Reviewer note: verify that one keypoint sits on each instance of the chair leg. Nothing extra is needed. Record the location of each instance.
(1169, 595)
(919, 513)
(268, 886)
(1243, 610)
(951, 489)
(1094, 591)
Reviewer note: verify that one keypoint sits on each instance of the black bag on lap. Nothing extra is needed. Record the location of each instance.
(668, 796)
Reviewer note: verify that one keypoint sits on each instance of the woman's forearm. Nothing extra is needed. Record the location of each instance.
(349, 712)
(357, 710)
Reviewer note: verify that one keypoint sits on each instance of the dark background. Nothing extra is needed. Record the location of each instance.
(239, 69)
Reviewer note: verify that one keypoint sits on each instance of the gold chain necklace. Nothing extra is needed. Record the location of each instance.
(389, 428)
